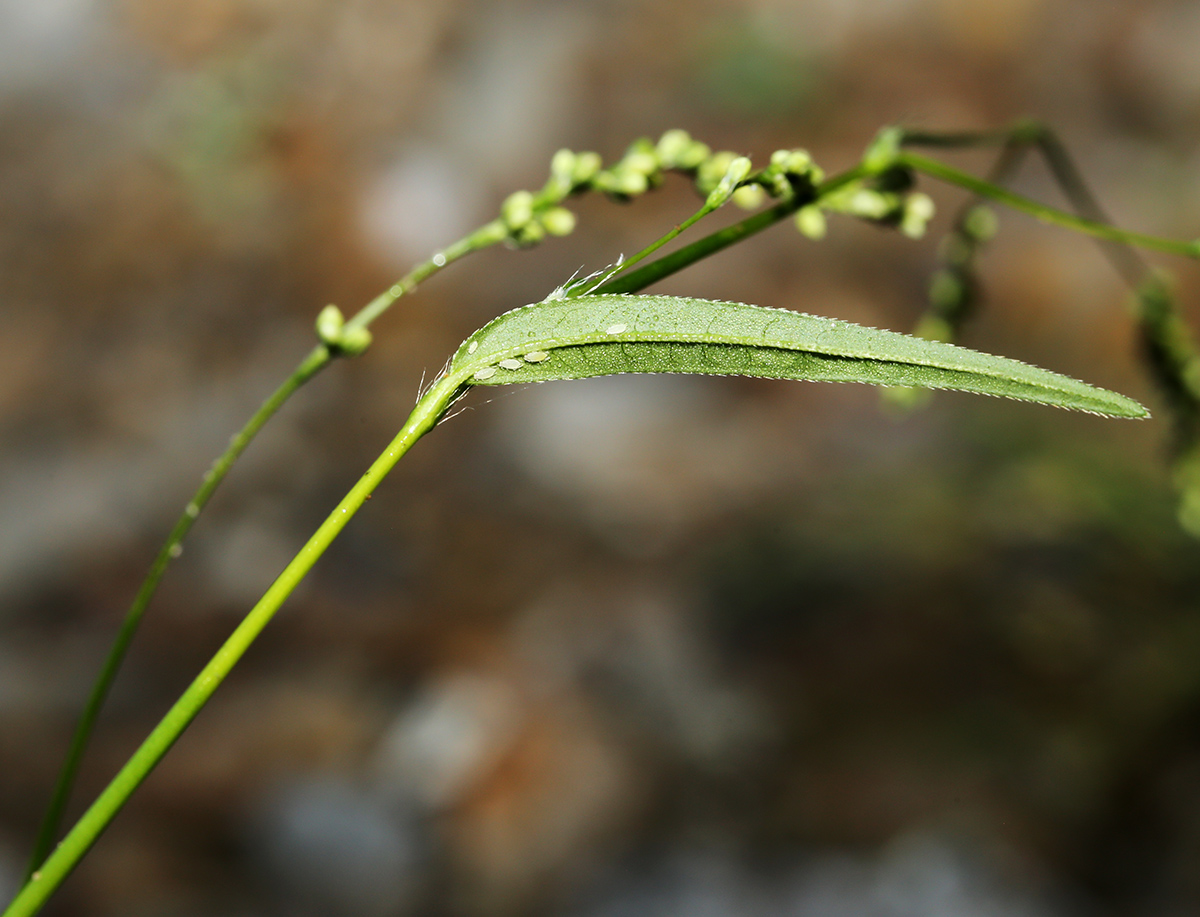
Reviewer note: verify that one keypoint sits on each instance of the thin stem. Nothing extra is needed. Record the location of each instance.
(310, 366)
(486, 235)
(1030, 134)
(722, 238)
(649, 250)
(316, 360)
(79, 840)
(979, 186)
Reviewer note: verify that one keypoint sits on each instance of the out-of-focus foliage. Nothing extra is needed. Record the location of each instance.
(741, 645)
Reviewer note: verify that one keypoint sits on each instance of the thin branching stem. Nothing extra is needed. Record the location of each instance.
(1039, 211)
(1017, 141)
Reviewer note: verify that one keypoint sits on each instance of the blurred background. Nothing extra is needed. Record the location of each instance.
(636, 646)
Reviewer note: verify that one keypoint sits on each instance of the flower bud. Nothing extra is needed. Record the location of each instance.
(329, 326)
(946, 291)
(693, 156)
(562, 165)
(586, 166)
(672, 145)
(631, 183)
(810, 221)
(641, 161)
(798, 162)
(918, 211)
(869, 204)
(956, 249)
(491, 233)
(739, 167)
(558, 221)
(712, 170)
(562, 171)
(530, 234)
(932, 328)
(749, 197)
(517, 210)
(354, 341)
(981, 223)
(883, 150)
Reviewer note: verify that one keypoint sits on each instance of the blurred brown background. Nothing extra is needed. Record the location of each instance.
(638, 646)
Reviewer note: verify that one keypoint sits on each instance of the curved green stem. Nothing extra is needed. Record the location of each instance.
(317, 359)
(979, 186)
(79, 840)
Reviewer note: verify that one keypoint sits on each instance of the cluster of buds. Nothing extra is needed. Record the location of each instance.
(527, 218)
(954, 287)
(340, 338)
(885, 198)
(884, 194)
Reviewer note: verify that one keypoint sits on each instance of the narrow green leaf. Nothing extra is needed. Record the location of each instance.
(604, 335)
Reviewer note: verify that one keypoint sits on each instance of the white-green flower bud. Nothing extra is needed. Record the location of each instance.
(631, 183)
(530, 234)
(586, 166)
(712, 170)
(641, 161)
(354, 341)
(562, 165)
(749, 197)
(810, 221)
(739, 167)
(799, 162)
(562, 172)
(692, 157)
(869, 204)
(881, 154)
(918, 211)
(671, 146)
(329, 326)
(780, 158)
(558, 221)
(517, 210)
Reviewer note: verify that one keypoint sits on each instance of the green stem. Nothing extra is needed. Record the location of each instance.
(486, 235)
(79, 840)
(979, 186)
(1031, 134)
(316, 360)
(648, 250)
(310, 366)
(722, 238)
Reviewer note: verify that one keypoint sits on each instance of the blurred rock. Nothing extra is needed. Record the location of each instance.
(448, 739)
(329, 848)
(917, 875)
